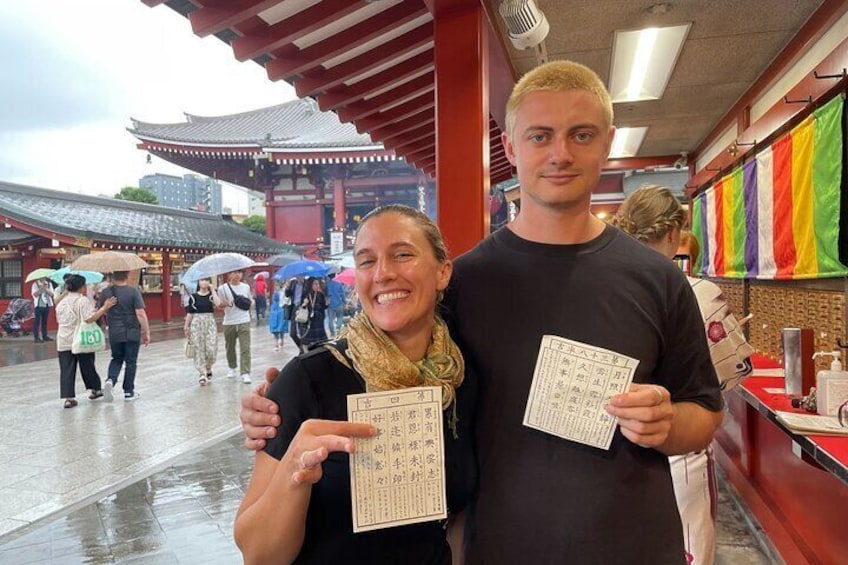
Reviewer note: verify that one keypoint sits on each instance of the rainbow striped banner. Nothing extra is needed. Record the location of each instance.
(777, 216)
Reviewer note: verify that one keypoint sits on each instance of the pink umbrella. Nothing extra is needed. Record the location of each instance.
(347, 277)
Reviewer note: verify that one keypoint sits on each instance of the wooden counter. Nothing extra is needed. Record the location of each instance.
(796, 486)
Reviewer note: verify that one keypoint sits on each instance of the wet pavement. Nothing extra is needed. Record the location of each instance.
(156, 481)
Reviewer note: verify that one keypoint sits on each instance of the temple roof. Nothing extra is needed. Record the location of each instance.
(118, 221)
(295, 125)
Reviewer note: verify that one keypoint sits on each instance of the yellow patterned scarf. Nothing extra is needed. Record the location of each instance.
(384, 367)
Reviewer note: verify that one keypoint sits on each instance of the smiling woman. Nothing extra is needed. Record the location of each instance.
(298, 504)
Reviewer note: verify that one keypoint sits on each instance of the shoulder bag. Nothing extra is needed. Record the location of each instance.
(239, 301)
(88, 337)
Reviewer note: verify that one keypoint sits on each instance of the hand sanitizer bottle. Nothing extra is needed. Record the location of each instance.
(831, 386)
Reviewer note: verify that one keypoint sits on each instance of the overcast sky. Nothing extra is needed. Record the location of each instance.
(75, 72)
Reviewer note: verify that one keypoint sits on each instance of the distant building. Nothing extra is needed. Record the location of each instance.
(191, 192)
(256, 204)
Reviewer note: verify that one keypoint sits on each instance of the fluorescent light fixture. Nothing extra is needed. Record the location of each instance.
(643, 60)
(627, 141)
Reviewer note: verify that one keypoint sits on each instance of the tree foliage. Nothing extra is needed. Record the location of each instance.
(135, 194)
(255, 224)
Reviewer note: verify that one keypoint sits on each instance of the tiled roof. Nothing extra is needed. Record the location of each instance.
(12, 236)
(294, 125)
(119, 221)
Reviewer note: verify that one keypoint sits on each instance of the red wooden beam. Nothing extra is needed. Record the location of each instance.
(289, 61)
(412, 123)
(222, 14)
(400, 93)
(397, 73)
(323, 80)
(426, 163)
(396, 113)
(293, 28)
(417, 145)
(429, 151)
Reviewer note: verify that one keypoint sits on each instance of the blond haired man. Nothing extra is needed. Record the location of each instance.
(542, 499)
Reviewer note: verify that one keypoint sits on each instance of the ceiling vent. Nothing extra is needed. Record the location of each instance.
(527, 25)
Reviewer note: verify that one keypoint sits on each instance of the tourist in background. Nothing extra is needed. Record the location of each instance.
(295, 289)
(42, 299)
(260, 296)
(201, 329)
(70, 313)
(312, 332)
(336, 297)
(236, 326)
(128, 330)
(278, 315)
(655, 217)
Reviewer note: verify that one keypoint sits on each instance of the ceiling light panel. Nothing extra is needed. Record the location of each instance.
(643, 61)
(627, 141)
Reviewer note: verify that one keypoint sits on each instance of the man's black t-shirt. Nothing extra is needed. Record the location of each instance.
(316, 385)
(542, 499)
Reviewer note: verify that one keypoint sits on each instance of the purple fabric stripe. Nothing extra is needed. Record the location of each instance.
(705, 250)
(749, 184)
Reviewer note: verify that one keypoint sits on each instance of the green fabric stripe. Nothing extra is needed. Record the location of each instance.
(695, 267)
(827, 178)
(736, 217)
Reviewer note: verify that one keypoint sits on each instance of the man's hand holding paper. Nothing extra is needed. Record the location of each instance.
(645, 414)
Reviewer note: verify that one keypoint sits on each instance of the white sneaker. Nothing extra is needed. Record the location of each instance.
(231, 373)
(107, 391)
(245, 378)
(202, 379)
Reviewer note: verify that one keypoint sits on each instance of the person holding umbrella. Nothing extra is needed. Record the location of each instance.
(235, 296)
(42, 298)
(295, 290)
(312, 330)
(128, 329)
(201, 329)
(70, 313)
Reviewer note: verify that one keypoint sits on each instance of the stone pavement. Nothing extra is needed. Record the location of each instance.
(93, 484)
(54, 460)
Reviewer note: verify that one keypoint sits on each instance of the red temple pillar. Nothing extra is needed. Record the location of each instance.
(339, 200)
(166, 287)
(270, 228)
(462, 121)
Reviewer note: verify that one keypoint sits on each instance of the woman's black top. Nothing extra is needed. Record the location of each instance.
(200, 304)
(316, 385)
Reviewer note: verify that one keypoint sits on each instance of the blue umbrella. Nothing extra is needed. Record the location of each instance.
(217, 264)
(90, 276)
(304, 267)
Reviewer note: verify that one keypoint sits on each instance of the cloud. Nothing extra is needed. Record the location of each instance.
(76, 72)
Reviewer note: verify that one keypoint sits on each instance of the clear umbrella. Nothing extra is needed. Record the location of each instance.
(283, 259)
(217, 264)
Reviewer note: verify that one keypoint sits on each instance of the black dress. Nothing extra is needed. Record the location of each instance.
(313, 332)
(316, 385)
